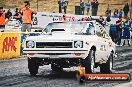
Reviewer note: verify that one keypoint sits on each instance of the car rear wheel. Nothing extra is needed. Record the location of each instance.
(108, 66)
(32, 66)
(89, 62)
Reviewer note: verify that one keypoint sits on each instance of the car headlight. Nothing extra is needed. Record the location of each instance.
(30, 44)
(78, 44)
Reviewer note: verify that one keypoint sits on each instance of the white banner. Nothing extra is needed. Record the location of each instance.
(41, 19)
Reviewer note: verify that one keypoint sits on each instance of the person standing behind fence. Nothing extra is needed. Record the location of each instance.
(82, 7)
(3, 20)
(120, 13)
(116, 13)
(64, 5)
(9, 14)
(60, 6)
(126, 32)
(108, 12)
(126, 10)
(87, 6)
(18, 15)
(27, 17)
(94, 7)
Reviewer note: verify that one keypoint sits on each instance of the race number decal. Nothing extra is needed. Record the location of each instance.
(103, 48)
(35, 21)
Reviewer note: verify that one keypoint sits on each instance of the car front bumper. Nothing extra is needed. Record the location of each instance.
(56, 53)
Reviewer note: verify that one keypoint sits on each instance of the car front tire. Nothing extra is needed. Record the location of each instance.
(32, 66)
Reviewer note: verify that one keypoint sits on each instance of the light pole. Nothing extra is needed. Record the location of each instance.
(37, 5)
(108, 5)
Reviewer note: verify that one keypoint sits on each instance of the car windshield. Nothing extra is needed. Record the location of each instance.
(86, 28)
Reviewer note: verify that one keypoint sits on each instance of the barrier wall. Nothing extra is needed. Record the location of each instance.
(9, 45)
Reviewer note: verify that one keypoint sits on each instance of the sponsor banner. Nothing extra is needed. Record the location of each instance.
(108, 77)
(113, 77)
(9, 45)
(94, 77)
(41, 19)
(12, 43)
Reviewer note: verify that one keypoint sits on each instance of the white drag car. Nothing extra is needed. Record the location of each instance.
(64, 45)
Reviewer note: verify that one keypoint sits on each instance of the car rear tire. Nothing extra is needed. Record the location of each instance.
(89, 62)
(32, 66)
(108, 66)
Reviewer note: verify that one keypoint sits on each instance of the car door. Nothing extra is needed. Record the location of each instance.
(108, 43)
(102, 44)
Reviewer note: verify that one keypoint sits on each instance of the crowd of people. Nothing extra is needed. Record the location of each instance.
(93, 6)
(63, 4)
(119, 13)
(23, 14)
(121, 31)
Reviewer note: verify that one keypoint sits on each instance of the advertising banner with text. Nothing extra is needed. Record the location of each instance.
(9, 45)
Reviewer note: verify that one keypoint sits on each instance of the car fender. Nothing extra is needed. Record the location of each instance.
(89, 47)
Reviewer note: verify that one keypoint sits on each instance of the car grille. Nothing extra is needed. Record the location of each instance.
(53, 44)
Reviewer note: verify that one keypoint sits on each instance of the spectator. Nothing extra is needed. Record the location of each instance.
(3, 18)
(120, 13)
(126, 10)
(64, 5)
(118, 31)
(94, 7)
(116, 13)
(60, 4)
(126, 32)
(9, 14)
(87, 6)
(18, 15)
(112, 32)
(108, 12)
(101, 20)
(82, 7)
(27, 17)
(108, 15)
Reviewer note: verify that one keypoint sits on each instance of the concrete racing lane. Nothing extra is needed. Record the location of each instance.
(14, 73)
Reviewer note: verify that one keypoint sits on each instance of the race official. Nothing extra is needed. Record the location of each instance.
(27, 17)
(126, 32)
(3, 20)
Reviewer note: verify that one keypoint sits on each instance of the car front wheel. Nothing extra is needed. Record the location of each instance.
(32, 66)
